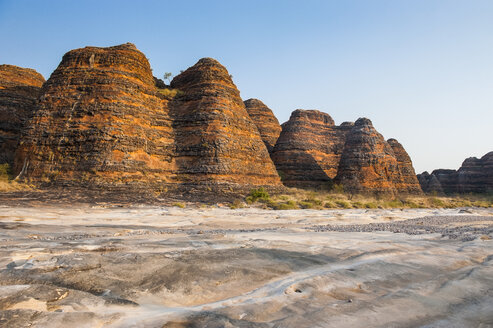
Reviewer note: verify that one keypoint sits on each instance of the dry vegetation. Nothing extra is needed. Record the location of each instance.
(337, 199)
(6, 182)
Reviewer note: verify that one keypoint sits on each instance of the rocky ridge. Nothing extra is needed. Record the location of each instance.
(19, 90)
(474, 176)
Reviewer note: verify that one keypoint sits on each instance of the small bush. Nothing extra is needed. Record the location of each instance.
(259, 194)
(330, 205)
(371, 205)
(180, 205)
(170, 93)
(436, 202)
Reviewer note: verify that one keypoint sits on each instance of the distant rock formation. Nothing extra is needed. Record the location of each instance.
(474, 176)
(19, 90)
(99, 121)
(216, 139)
(104, 120)
(309, 148)
(313, 152)
(267, 124)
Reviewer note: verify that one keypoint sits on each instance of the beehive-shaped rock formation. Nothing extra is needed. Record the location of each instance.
(368, 163)
(267, 124)
(216, 140)
(309, 148)
(101, 121)
(19, 90)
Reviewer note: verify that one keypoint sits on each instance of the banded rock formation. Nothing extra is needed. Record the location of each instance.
(313, 152)
(99, 121)
(474, 176)
(102, 120)
(19, 90)
(309, 148)
(215, 137)
(368, 163)
(408, 181)
(267, 124)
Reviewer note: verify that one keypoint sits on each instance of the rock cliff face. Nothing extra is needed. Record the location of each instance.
(407, 182)
(19, 90)
(99, 120)
(308, 150)
(217, 142)
(368, 163)
(474, 176)
(267, 124)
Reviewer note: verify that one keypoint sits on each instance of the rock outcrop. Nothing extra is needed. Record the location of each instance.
(309, 148)
(407, 182)
(99, 121)
(474, 176)
(216, 140)
(267, 124)
(102, 120)
(368, 163)
(19, 90)
(312, 152)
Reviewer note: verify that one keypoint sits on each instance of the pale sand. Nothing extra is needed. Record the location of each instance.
(215, 267)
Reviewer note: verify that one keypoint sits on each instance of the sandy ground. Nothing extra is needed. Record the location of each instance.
(90, 266)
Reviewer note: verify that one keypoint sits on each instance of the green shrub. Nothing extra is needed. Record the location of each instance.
(371, 205)
(180, 205)
(330, 205)
(259, 194)
(170, 93)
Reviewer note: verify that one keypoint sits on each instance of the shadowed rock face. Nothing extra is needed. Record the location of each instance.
(101, 121)
(216, 139)
(368, 163)
(308, 150)
(475, 175)
(267, 124)
(19, 89)
(407, 182)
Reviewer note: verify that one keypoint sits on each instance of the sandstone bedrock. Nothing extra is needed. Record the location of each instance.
(103, 120)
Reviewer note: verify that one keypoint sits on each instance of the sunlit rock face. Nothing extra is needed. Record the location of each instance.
(267, 124)
(216, 140)
(19, 90)
(474, 176)
(101, 121)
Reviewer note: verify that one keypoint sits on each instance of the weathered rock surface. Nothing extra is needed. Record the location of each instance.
(407, 182)
(308, 150)
(19, 89)
(216, 140)
(368, 163)
(474, 176)
(267, 124)
(100, 121)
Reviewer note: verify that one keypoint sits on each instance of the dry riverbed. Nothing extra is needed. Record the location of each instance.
(142, 266)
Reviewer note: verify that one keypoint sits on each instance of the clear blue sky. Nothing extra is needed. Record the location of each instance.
(421, 70)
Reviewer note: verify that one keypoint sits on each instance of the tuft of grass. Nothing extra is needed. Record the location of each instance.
(180, 205)
(170, 93)
(236, 204)
(343, 204)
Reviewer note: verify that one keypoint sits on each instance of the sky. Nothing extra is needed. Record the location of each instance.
(421, 70)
